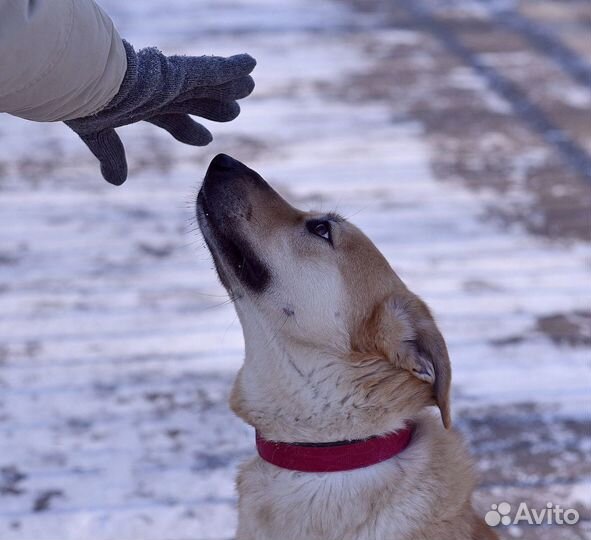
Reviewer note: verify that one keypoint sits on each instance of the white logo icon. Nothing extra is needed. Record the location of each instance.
(498, 514)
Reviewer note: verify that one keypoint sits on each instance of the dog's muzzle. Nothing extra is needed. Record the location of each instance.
(223, 208)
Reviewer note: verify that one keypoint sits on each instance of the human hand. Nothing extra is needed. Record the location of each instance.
(165, 91)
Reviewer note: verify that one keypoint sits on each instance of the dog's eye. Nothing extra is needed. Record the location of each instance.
(320, 228)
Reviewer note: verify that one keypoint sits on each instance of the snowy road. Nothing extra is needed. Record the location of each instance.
(117, 344)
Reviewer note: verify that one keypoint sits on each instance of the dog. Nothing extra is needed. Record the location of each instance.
(342, 366)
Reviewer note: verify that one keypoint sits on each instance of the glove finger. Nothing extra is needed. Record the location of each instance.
(213, 70)
(108, 149)
(183, 128)
(230, 91)
(218, 111)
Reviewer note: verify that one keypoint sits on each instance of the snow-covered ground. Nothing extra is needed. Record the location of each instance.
(117, 344)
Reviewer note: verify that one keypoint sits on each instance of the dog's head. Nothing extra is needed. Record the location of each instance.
(314, 281)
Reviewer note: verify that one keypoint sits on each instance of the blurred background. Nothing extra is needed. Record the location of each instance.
(456, 133)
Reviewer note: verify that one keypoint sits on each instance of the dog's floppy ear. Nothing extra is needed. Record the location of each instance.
(409, 337)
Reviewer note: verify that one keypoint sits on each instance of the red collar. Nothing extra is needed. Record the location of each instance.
(334, 457)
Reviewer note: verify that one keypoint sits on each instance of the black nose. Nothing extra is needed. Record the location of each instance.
(223, 162)
(225, 172)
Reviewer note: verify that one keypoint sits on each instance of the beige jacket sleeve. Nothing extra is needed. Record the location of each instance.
(59, 59)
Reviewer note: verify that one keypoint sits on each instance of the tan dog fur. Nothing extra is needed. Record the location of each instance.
(337, 348)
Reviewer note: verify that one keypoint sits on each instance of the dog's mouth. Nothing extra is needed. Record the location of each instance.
(219, 220)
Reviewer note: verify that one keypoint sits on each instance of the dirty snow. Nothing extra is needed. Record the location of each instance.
(117, 344)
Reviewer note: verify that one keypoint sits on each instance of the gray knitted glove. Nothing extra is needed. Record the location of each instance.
(165, 91)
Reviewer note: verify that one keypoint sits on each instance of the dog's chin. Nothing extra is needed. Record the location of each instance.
(235, 260)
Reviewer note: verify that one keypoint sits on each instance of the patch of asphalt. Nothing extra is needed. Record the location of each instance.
(525, 445)
(567, 328)
(11, 478)
(546, 25)
(475, 136)
(528, 454)
(44, 500)
(572, 329)
(548, 43)
(573, 154)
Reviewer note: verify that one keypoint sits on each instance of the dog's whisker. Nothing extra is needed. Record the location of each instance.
(358, 211)
(278, 330)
